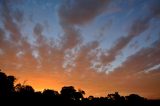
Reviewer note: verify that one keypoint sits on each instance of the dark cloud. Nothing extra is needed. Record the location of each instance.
(8, 17)
(38, 29)
(18, 15)
(72, 13)
(81, 11)
(71, 37)
(2, 33)
(38, 34)
(155, 9)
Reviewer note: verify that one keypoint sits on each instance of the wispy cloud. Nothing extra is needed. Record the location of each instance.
(71, 59)
(137, 27)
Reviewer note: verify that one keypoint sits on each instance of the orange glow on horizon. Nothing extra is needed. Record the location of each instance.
(43, 81)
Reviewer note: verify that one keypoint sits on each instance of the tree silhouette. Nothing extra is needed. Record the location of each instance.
(68, 92)
(6, 84)
(79, 94)
(11, 80)
(68, 96)
(135, 99)
(24, 90)
(49, 92)
(3, 84)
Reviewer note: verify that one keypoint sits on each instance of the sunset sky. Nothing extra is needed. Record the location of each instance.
(100, 46)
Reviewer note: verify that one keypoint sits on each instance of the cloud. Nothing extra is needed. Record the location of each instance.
(19, 16)
(8, 18)
(146, 57)
(137, 27)
(47, 57)
(2, 34)
(80, 12)
(77, 13)
(71, 37)
(155, 67)
(38, 34)
(140, 72)
(143, 60)
(155, 9)
(12, 39)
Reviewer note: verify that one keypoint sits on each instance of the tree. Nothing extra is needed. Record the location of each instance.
(114, 96)
(134, 98)
(79, 94)
(68, 92)
(6, 84)
(11, 80)
(3, 84)
(24, 90)
(49, 92)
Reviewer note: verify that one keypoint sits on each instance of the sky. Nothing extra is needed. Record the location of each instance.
(100, 46)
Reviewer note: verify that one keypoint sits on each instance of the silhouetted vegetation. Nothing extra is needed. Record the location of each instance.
(68, 96)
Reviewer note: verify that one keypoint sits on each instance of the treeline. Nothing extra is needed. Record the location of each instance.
(67, 96)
